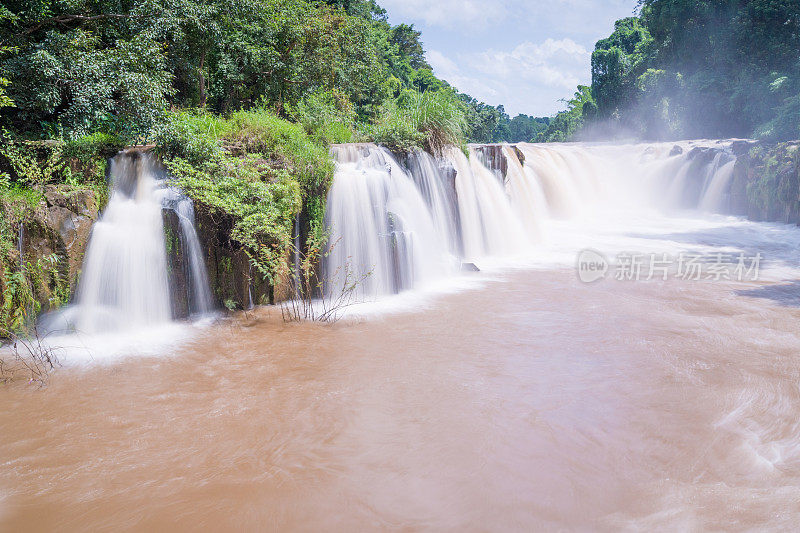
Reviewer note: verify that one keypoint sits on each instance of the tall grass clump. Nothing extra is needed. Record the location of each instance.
(431, 120)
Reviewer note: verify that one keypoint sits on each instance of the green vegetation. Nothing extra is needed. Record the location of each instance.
(567, 123)
(242, 99)
(26, 285)
(488, 124)
(432, 120)
(252, 171)
(327, 116)
(773, 193)
(79, 67)
(697, 69)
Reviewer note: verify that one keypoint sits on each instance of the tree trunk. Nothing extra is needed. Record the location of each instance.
(202, 82)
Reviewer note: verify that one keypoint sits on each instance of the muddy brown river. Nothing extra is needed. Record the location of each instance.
(534, 402)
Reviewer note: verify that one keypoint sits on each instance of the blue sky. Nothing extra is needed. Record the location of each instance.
(526, 55)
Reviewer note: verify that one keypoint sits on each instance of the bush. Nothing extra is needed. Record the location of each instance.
(429, 120)
(191, 135)
(786, 124)
(259, 202)
(284, 144)
(89, 147)
(252, 169)
(327, 116)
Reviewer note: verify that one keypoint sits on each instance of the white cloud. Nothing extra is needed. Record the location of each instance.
(446, 69)
(530, 76)
(524, 54)
(555, 63)
(451, 14)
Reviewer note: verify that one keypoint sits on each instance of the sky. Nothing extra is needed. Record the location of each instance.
(526, 55)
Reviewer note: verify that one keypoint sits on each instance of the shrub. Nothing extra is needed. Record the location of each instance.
(95, 145)
(327, 116)
(286, 145)
(253, 169)
(193, 136)
(259, 201)
(431, 120)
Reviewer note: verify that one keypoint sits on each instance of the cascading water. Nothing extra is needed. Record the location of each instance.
(489, 224)
(399, 227)
(21, 243)
(715, 195)
(198, 291)
(383, 236)
(124, 282)
(124, 279)
(439, 194)
(549, 166)
(527, 196)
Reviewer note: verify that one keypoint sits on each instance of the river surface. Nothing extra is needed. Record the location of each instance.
(530, 401)
(517, 398)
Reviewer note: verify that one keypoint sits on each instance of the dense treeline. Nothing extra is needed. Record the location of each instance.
(693, 69)
(77, 67)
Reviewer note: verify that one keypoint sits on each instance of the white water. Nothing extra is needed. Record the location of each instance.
(383, 234)
(124, 283)
(124, 280)
(490, 226)
(554, 200)
(199, 296)
(716, 193)
(526, 194)
(439, 195)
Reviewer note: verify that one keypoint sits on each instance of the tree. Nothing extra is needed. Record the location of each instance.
(82, 70)
(407, 40)
(567, 123)
(617, 62)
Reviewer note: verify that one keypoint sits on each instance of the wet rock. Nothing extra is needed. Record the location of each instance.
(469, 267)
(233, 283)
(676, 150)
(177, 271)
(59, 228)
(492, 156)
(741, 148)
(520, 154)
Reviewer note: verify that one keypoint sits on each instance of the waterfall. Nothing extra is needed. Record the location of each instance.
(439, 195)
(124, 281)
(555, 179)
(198, 290)
(717, 192)
(21, 243)
(527, 196)
(397, 225)
(393, 225)
(124, 278)
(489, 224)
(383, 235)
